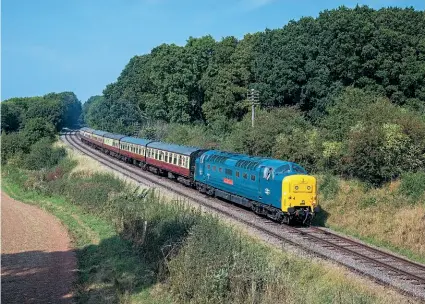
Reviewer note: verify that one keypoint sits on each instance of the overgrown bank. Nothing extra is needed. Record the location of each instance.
(391, 216)
(135, 247)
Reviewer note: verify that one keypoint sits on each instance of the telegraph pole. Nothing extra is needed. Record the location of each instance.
(253, 96)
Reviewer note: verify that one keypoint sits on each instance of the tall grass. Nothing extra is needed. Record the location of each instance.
(391, 216)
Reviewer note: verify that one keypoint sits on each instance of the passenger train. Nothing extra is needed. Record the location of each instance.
(279, 190)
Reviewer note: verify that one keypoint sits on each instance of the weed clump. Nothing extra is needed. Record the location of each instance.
(413, 185)
(329, 186)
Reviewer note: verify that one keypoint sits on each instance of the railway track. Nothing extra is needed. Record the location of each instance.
(381, 266)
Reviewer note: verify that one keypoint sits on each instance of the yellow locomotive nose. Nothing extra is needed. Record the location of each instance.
(299, 192)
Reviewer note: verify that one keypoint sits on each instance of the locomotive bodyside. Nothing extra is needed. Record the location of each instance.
(278, 189)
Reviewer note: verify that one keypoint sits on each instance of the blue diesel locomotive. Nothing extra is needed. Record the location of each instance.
(280, 190)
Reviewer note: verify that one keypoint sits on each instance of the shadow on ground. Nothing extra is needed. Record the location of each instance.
(107, 273)
(321, 218)
(37, 277)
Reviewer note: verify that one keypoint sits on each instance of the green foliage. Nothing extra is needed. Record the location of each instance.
(11, 117)
(329, 186)
(413, 185)
(119, 117)
(36, 129)
(12, 144)
(42, 155)
(261, 140)
(61, 110)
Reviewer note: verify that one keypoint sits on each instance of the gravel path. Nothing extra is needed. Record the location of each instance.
(38, 263)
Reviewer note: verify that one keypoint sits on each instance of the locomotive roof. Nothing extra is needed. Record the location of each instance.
(242, 160)
(185, 150)
(113, 136)
(98, 132)
(136, 140)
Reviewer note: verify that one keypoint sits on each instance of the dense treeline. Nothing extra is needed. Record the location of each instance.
(330, 70)
(29, 126)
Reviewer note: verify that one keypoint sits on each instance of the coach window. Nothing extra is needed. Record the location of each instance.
(180, 160)
(245, 176)
(166, 157)
(237, 173)
(253, 177)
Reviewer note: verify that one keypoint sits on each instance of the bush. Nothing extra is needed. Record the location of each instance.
(43, 155)
(413, 185)
(11, 144)
(261, 139)
(329, 186)
(37, 128)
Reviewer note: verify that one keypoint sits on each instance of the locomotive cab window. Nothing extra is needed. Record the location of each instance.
(237, 173)
(253, 177)
(220, 169)
(209, 167)
(298, 169)
(214, 168)
(245, 176)
(228, 172)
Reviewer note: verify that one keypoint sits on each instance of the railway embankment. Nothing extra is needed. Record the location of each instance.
(391, 216)
(135, 247)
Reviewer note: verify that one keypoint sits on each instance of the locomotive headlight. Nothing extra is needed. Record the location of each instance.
(296, 187)
(308, 187)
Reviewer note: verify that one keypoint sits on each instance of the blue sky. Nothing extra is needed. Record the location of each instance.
(83, 45)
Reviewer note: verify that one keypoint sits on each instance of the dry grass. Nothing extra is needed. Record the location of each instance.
(382, 216)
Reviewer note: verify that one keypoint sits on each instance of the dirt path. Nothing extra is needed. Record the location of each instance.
(38, 264)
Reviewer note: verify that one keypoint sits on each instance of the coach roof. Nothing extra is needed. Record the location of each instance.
(185, 150)
(114, 136)
(136, 141)
(99, 133)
